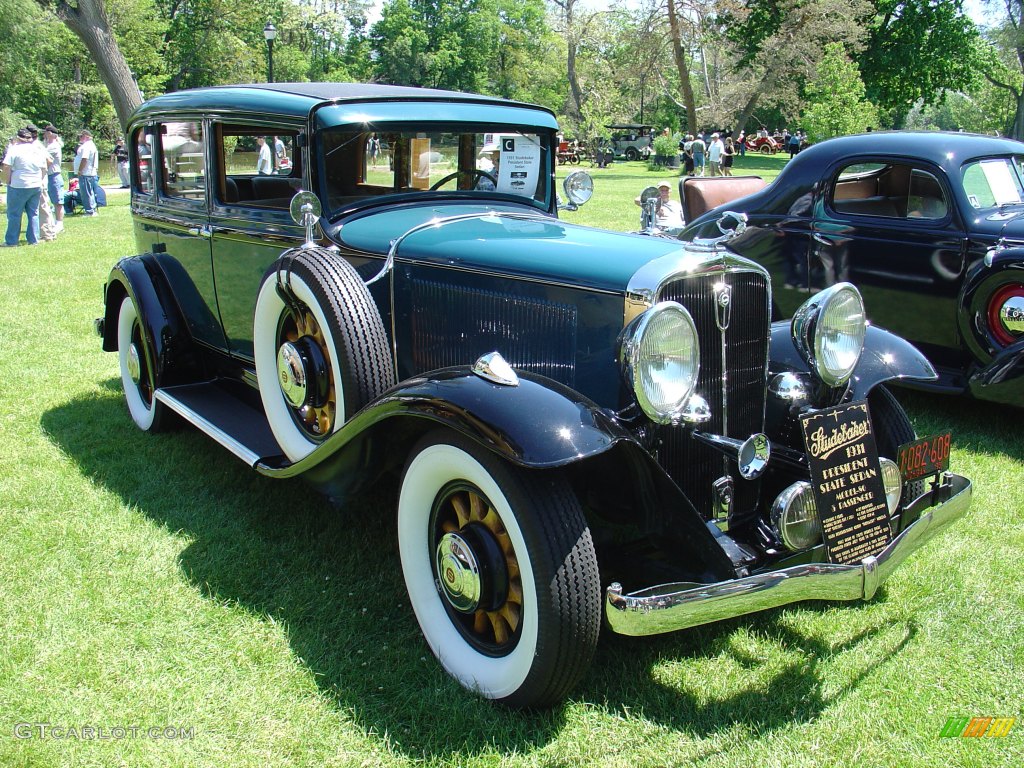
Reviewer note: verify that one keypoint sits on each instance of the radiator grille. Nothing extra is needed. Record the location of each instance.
(693, 466)
(453, 325)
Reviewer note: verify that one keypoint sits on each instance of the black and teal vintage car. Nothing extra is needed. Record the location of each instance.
(358, 285)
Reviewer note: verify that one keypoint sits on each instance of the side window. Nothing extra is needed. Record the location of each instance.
(256, 166)
(181, 147)
(142, 163)
(888, 190)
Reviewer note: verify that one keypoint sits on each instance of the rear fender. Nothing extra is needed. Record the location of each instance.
(141, 278)
(1002, 380)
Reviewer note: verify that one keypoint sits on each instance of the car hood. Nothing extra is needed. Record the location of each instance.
(507, 240)
(1007, 222)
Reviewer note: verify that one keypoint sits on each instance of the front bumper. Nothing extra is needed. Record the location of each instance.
(669, 607)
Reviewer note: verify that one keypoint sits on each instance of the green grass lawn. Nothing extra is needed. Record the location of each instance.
(155, 581)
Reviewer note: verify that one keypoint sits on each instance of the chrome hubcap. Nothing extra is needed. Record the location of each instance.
(134, 367)
(458, 573)
(292, 374)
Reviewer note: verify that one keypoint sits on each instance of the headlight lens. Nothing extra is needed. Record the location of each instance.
(893, 483)
(829, 331)
(661, 359)
(795, 517)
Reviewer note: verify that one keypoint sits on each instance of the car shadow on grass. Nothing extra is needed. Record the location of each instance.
(332, 576)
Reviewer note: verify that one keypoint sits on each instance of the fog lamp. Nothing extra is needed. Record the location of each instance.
(795, 517)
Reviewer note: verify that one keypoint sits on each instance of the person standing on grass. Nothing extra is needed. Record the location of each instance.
(47, 222)
(698, 148)
(54, 177)
(264, 161)
(121, 158)
(715, 152)
(24, 168)
(727, 156)
(87, 166)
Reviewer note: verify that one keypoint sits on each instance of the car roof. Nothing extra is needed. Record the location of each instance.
(298, 99)
(943, 148)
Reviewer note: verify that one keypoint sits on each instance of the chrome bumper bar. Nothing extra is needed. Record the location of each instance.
(670, 607)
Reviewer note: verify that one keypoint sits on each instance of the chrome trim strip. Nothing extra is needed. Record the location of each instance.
(203, 425)
(669, 607)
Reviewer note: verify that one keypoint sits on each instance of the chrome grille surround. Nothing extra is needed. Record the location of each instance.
(734, 362)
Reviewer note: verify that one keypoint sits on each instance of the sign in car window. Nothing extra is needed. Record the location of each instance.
(1000, 181)
(847, 482)
(519, 165)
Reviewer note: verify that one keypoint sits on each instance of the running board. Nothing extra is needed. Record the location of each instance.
(229, 420)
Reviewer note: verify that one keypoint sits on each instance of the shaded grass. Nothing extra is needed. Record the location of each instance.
(156, 581)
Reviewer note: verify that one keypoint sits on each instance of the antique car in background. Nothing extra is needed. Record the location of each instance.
(580, 423)
(763, 143)
(632, 141)
(929, 227)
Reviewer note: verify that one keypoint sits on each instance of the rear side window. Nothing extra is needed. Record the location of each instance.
(889, 190)
(142, 167)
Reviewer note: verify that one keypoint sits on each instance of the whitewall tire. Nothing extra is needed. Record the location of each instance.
(137, 377)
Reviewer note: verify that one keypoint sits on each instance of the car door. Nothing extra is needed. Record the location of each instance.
(250, 224)
(172, 160)
(892, 228)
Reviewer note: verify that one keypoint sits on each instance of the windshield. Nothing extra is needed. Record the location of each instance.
(994, 181)
(363, 165)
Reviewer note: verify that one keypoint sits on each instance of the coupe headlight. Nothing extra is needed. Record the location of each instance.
(828, 330)
(660, 359)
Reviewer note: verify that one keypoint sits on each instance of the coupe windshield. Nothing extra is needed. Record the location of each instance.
(994, 181)
(362, 165)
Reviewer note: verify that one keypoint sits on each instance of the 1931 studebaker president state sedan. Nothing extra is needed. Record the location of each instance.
(930, 228)
(581, 423)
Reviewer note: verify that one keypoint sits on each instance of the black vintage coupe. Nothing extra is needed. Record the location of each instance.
(929, 226)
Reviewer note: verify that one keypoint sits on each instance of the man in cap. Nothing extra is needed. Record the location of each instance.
(87, 162)
(669, 214)
(54, 177)
(24, 168)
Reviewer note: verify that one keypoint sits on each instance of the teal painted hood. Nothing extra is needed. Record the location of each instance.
(497, 239)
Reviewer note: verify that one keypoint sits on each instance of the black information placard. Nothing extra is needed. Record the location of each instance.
(847, 482)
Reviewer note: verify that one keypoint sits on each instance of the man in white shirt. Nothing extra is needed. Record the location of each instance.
(669, 215)
(265, 162)
(715, 154)
(24, 168)
(87, 162)
(54, 177)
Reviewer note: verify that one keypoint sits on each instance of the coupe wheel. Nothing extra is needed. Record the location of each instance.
(320, 347)
(135, 356)
(632, 154)
(500, 569)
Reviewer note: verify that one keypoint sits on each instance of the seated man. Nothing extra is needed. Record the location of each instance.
(669, 215)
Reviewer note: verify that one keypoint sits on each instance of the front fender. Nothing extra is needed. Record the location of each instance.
(538, 424)
(886, 357)
(167, 336)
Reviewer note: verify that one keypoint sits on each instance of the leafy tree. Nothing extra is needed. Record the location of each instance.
(836, 96)
(916, 49)
(779, 44)
(1003, 63)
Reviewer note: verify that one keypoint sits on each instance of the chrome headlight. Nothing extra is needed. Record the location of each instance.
(892, 482)
(795, 517)
(660, 359)
(828, 330)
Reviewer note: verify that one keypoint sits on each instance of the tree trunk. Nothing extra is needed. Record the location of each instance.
(684, 71)
(88, 20)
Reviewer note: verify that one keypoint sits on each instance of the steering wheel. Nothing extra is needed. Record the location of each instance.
(474, 173)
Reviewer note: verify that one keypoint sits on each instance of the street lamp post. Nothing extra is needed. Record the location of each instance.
(270, 33)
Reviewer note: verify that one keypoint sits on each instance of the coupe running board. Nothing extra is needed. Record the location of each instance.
(229, 420)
